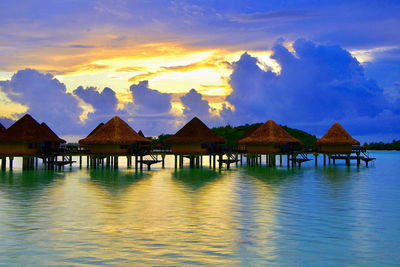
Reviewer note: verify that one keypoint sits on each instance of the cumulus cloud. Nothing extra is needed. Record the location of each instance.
(105, 103)
(150, 110)
(46, 98)
(149, 101)
(383, 66)
(317, 83)
(196, 106)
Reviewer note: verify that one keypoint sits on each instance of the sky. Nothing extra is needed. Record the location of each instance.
(157, 64)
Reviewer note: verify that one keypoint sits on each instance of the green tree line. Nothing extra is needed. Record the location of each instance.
(394, 145)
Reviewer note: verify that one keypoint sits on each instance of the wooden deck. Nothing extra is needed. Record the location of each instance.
(149, 156)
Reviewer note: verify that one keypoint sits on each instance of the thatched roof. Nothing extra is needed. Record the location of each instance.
(195, 131)
(48, 135)
(141, 133)
(248, 132)
(26, 129)
(337, 135)
(115, 131)
(269, 133)
(95, 129)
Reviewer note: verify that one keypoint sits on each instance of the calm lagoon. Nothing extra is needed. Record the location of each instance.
(318, 216)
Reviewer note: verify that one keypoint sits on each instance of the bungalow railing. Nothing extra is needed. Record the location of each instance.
(358, 149)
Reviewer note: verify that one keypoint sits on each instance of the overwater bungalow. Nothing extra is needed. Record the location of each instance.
(336, 141)
(115, 137)
(270, 138)
(50, 141)
(246, 134)
(21, 138)
(195, 138)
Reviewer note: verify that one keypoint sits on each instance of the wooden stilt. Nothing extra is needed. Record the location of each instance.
(324, 159)
(163, 160)
(141, 162)
(288, 160)
(3, 163)
(176, 161)
(316, 159)
(11, 163)
(116, 162)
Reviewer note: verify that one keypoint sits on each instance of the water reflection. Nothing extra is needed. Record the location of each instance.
(242, 216)
(195, 178)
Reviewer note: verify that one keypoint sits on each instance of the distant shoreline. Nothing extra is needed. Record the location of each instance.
(383, 150)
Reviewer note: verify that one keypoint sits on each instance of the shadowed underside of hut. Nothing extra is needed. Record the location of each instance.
(336, 140)
(270, 138)
(114, 137)
(194, 138)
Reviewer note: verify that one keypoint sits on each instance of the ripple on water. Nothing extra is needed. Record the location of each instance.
(244, 216)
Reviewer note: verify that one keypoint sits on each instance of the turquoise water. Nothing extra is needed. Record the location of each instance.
(330, 216)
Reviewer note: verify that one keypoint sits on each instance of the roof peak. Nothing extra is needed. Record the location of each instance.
(114, 131)
(337, 135)
(269, 133)
(195, 131)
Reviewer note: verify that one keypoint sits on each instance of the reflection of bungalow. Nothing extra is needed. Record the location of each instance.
(336, 141)
(50, 141)
(194, 138)
(113, 138)
(270, 138)
(22, 138)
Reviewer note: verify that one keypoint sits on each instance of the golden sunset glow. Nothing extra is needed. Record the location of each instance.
(169, 68)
